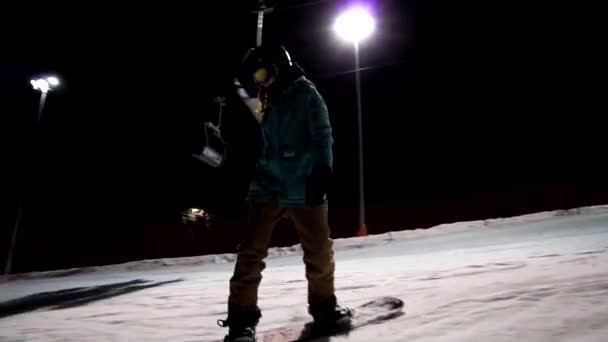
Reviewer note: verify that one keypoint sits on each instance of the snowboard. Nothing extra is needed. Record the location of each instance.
(372, 312)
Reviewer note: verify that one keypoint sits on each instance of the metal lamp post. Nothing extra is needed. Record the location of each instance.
(44, 85)
(353, 26)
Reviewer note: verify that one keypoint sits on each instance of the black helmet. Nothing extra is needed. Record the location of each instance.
(265, 56)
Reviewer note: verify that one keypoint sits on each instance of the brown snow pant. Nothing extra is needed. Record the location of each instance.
(313, 232)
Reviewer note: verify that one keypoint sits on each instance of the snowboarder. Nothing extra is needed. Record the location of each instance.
(292, 175)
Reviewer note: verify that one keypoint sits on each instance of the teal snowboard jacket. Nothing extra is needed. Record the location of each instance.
(297, 136)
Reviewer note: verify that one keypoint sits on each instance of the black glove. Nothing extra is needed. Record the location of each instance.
(317, 185)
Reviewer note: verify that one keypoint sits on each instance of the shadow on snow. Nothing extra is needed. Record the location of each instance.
(68, 298)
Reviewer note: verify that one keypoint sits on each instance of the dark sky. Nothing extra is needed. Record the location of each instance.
(460, 99)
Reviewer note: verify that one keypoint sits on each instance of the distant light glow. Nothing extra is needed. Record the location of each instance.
(41, 84)
(196, 211)
(53, 81)
(355, 25)
(194, 215)
(45, 84)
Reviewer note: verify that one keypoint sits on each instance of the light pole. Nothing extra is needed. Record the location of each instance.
(44, 85)
(353, 26)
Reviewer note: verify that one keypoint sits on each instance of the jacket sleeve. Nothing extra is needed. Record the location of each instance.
(320, 130)
(250, 102)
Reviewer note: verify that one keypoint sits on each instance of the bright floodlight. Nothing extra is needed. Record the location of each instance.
(354, 25)
(53, 81)
(40, 84)
(45, 84)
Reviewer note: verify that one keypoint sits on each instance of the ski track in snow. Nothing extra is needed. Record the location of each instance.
(540, 277)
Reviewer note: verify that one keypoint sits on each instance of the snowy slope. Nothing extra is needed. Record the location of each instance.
(541, 277)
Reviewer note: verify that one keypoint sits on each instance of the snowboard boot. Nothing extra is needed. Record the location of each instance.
(329, 316)
(241, 326)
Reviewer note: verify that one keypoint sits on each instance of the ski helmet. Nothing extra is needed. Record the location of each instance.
(271, 57)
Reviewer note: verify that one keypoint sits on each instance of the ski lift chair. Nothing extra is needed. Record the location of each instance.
(214, 151)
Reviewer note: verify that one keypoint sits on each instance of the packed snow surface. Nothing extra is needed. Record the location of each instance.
(539, 277)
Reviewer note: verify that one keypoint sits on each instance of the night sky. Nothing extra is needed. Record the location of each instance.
(471, 110)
